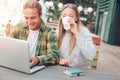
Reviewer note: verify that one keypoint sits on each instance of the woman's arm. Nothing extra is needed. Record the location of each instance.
(85, 43)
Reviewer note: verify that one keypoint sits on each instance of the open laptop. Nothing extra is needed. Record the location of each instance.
(14, 54)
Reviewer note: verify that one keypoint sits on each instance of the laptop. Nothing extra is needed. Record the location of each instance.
(14, 54)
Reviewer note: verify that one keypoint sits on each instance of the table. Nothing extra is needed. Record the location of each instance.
(56, 73)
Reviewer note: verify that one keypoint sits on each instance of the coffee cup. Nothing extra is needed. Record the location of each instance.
(65, 22)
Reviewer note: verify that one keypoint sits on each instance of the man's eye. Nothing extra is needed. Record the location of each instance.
(26, 18)
(32, 17)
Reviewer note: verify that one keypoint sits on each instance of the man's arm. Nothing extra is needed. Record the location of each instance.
(51, 56)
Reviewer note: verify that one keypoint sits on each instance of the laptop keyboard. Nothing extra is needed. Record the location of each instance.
(36, 68)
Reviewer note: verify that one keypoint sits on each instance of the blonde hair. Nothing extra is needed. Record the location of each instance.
(33, 4)
(62, 31)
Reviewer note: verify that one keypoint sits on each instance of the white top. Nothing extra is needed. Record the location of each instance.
(32, 39)
(84, 49)
(2, 31)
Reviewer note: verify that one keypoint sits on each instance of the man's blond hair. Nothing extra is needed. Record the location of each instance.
(33, 4)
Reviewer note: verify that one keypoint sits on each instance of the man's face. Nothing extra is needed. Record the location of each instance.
(32, 18)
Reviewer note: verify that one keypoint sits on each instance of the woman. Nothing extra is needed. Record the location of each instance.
(76, 46)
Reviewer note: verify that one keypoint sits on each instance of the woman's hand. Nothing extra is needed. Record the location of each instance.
(73, 26)
(64, 62)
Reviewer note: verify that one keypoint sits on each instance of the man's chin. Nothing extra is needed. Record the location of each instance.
(32, 28)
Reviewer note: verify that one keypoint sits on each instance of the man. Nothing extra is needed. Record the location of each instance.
(8, 28)
(42, 39)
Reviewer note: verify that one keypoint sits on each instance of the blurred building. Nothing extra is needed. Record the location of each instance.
(107, 23)
(11, 10)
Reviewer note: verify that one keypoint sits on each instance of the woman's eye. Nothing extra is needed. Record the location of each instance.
(71, 16)
(63, 15)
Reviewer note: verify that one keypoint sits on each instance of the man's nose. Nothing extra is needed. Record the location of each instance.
(29, 21)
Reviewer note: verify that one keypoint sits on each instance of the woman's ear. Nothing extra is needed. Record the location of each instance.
(76, 19)
(40, 14)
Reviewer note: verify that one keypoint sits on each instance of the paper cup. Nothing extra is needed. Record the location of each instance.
(66, 25)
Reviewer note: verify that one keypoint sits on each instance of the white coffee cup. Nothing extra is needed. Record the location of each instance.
(66, 25)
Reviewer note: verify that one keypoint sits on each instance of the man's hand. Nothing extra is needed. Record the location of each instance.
(64, 62)
(34, 61)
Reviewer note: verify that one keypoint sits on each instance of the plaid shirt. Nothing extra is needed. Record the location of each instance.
(47, 46)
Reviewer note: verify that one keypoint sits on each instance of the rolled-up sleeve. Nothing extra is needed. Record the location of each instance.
(51, 56)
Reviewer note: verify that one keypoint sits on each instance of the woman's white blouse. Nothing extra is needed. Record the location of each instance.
(84, 49)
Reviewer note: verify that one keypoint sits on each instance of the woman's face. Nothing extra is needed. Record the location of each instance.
(69, 12)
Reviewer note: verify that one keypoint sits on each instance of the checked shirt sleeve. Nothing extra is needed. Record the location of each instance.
(51, 56)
